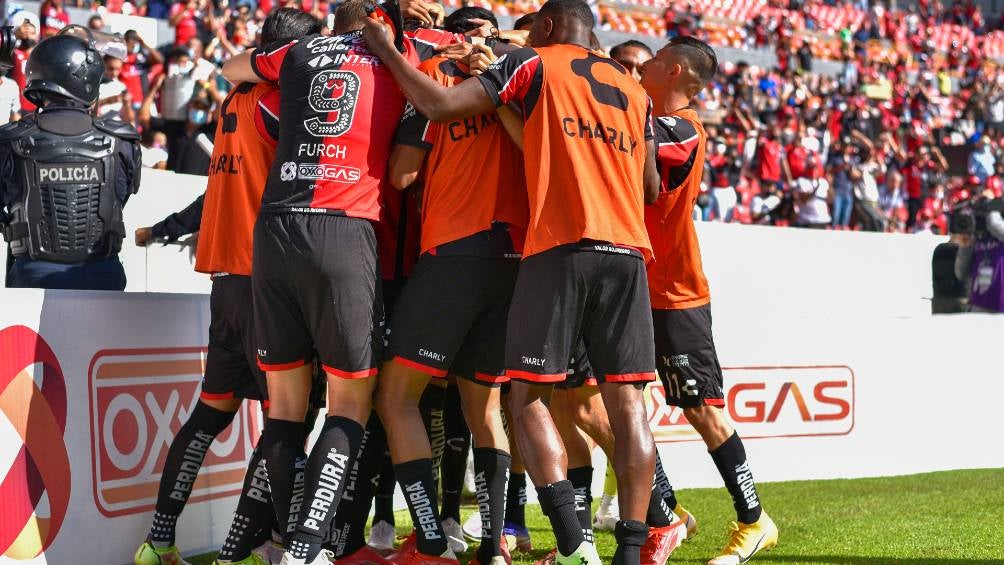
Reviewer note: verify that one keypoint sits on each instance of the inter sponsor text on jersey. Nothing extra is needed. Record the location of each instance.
(340, 108)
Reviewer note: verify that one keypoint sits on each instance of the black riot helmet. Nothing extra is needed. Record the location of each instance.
(64, 68)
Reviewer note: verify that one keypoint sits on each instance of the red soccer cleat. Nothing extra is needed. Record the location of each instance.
(662, 542)
(365, 555)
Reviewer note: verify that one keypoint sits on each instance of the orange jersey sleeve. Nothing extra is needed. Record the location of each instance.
(242, 156)
(676, 277)
(583, 144)
(473, 172)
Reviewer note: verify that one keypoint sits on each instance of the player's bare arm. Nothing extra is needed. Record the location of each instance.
(238, 69)
(651, 173)
(438, 103)
(405, 164)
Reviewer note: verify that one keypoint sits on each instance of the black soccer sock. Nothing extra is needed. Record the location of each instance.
(515, 500)
(252, 522)
(454, 465)
(659, 515)
(184, 459)
(491, 469)
(730, 458)
(347, 529)
(328, 467)
(282, 446)
(431, 408)
(665, 487)
(631, 536)
(557, 502)
(582, 481)
(419, 491)
(383, 505)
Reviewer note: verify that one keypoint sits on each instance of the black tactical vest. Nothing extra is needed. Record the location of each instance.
(67, 210)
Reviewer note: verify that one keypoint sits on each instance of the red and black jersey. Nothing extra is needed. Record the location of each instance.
(427, 40)
(340, 109)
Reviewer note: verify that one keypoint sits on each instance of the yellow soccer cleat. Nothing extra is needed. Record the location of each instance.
(746, 540)
(688, 519)
(147, 554)
(253, 559)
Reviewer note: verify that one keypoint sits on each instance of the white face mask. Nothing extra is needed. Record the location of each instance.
(176, 69)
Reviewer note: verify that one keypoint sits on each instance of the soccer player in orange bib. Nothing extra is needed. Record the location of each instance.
(681, 302)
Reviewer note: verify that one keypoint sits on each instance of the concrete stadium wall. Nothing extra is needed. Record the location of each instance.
(781, 271)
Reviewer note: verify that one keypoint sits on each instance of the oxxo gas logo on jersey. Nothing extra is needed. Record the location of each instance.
(139, 400)
(33, 402)
(766, 402)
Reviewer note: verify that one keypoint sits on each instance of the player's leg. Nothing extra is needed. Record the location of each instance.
(483, 412)
(544, 324)
(590, 416)
(578, 451)
(226, 369)
(339, 299)
(382, 532)
(453, 467)
(515, 497)
(692, 378)
(620, 346)
(347, 538)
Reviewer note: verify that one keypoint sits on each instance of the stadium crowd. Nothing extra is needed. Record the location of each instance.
(906, 128)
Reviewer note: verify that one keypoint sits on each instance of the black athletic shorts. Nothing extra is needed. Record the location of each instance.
(451, 317)
(686, 357)
(231, 369)
(592, 292)
(317, 292)
(580, 372)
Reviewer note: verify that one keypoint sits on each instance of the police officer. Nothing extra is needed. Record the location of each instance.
(65, 175)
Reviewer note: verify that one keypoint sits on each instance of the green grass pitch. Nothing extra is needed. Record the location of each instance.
(949, 518)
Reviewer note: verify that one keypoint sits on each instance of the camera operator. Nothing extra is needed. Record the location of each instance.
(84, 168)
(983, 260)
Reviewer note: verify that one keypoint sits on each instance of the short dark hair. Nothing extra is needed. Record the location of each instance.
(351, 13)
(525, 20)
(616, 49)
(576, 9)
(287, 24)
(699, 55)
(457, 21)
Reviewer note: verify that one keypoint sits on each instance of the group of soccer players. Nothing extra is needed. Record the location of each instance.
(539, 266)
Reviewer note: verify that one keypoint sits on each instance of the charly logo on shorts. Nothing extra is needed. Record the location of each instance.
(333, 93)
(41, 465)
(288, 171)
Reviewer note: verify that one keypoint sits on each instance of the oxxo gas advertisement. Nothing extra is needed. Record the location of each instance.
(93, 387)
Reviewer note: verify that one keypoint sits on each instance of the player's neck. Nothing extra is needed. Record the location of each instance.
(671, 103)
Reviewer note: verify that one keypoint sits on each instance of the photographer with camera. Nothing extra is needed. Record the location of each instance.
(64, 174)
(980, 258)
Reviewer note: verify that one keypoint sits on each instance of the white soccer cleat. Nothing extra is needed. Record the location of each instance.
(325, 557)
(607, 515)
(382, 536)
(454, 535)
(472, 527)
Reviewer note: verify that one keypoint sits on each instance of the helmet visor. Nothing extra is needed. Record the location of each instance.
(109, 44)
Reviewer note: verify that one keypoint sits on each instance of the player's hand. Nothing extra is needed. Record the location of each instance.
(455, 51)
(378, 37)
(516, 37)
(143, 236)
(481, 58)
(429, 13)
(484, 29)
